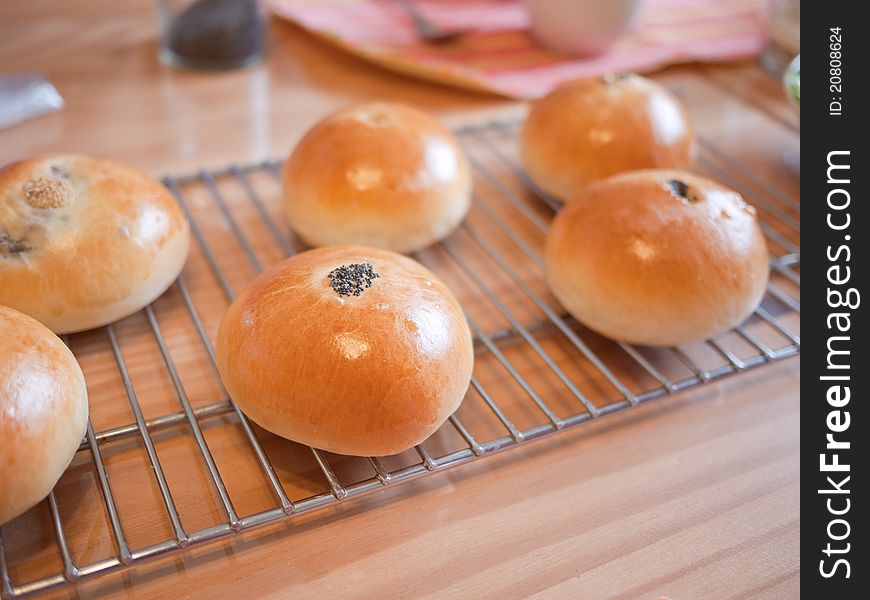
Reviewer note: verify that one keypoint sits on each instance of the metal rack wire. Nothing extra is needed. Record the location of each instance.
(496, 257)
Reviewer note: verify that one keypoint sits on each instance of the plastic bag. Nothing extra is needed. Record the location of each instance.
(23, 96)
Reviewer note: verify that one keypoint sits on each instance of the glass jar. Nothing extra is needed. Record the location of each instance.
(211, 34)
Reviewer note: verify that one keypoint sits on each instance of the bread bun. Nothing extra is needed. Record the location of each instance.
(657, 258)
(382, 175)
(85, 241)
(349, 349)
(43, 411)
(589, 129)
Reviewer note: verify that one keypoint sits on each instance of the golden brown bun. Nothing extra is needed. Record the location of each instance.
(380, 174)
(589, 129)
(43, 411)
(85, 241)
(370, 374)
(643, 259)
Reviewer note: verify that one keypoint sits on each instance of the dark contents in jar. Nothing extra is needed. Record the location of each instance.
(218, 33)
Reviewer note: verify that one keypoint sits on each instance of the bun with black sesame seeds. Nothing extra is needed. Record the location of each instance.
(589, 129)
(85, 241)
(657, 258)
(43, 411)
(349, 349)
(381, 174)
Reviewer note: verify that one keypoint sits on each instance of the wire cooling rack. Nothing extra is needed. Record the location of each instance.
(169, 461)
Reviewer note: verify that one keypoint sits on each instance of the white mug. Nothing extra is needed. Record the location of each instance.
(580, 26)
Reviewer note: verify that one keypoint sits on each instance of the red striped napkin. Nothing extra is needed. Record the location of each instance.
(500, 56)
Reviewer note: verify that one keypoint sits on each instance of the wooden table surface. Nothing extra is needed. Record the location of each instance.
(691, 496)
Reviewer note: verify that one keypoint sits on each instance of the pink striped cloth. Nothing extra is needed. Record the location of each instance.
(501, 57)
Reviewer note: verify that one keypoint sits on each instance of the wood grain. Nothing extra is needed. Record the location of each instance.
(690, 496)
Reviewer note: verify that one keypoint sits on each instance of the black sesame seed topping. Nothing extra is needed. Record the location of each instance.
(353, 279)
(677, 188)
(680, 190)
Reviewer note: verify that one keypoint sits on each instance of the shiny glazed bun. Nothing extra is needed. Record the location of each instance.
(657, 258)
(85, 241)
(43, 411)
(380, 174)
(349, 349)
(589, 129)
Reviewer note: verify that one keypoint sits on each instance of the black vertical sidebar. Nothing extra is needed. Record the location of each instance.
(835, 351)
